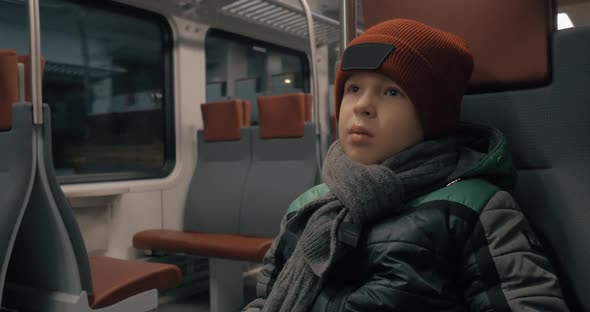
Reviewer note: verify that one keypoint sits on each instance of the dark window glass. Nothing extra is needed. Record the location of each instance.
(240, 67)
(108, 83)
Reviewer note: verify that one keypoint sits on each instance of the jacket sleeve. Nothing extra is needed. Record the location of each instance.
(503, 264)
(264, 279)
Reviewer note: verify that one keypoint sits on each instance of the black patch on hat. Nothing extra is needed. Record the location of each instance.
(366, 56)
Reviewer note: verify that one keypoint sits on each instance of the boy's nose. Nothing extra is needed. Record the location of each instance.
(364, 106)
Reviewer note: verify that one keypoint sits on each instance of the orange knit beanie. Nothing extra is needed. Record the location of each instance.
(432, 66)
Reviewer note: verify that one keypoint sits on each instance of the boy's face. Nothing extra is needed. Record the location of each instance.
(377, 120)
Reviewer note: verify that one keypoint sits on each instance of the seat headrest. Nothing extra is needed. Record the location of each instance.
(509, 39)
(8, 86)
(247, 107)
(222, 120)
(308, 102)
(282, 116)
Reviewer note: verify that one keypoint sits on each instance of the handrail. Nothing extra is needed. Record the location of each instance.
(35, 50)
(315, 89)
(348, 23)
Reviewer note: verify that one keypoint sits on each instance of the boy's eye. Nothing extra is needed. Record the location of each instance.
(354, 89)
(392, 92)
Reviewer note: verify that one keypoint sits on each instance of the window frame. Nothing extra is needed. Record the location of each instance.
(168, 99)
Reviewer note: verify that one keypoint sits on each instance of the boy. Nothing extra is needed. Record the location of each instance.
(413, 215)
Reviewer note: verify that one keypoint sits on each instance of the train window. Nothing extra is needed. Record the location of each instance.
(572, 13)
(240, 67)
(108, 81)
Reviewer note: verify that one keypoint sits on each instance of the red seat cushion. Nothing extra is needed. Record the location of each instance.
(228, 246)
(308, 108)
(8, 86)
(223, 120)
(114, 280)
(282, 116)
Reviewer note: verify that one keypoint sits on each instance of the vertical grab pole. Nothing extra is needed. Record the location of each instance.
(347, 23)
(315, 88)
(35, 50)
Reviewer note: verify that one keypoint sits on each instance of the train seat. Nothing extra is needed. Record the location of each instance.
(243, 163)
(233, 207)
(98, 283)
(216, 245)
(66, 278)
(308, 107)
(8, 86)
(283, 163)
(215, 192)
(114, 280)
(214, 199)
(247, 116)
(213, 203)
(531, 82)
(16, 135)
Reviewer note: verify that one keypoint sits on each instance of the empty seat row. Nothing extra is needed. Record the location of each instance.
(41, 245)
(246, 90)
(244, 180)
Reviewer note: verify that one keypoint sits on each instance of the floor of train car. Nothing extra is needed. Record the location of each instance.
(200, 302)
(196, 303)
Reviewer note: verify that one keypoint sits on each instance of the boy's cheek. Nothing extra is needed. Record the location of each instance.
(341, 128)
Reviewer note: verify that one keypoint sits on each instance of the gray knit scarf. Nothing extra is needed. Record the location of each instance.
(359, 195)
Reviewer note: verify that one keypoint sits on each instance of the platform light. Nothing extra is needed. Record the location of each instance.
(288, 81)
(564, 21)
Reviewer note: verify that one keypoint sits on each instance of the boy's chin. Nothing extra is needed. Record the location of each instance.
(362, 156)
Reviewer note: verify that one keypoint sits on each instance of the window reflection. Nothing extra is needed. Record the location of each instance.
(239, 67)
(107, 82)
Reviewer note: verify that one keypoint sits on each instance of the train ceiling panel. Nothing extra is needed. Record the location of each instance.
(281, 16)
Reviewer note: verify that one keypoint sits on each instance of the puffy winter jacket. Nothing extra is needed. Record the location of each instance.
(464, 247)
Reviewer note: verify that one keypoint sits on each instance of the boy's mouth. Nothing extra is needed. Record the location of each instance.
(359, 135)
(360, 130)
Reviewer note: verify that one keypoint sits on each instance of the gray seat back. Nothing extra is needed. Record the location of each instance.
(283, 165)
(49, 231)
(17, 164)
(281, 170)
(548, 131)
(215, 192)
(65, 209)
